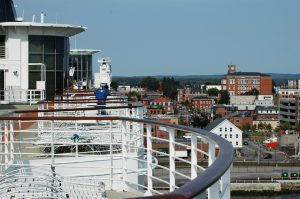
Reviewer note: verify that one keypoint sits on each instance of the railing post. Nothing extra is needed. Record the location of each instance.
(225, 184)
(124, 154)
(1, 156)
(194, 156)
(6, 144)
(172, 158)
(11, 137)
(111, 155)
(213, 191)
(149, 161)
(52, 144)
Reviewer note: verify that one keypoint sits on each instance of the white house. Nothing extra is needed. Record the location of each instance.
(227, 130)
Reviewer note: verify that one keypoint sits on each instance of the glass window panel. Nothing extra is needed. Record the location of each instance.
(49, 44)
(36, 44)
(50, 62)
(50, 80)
(60, 45)
(59, 62)
(33, 77)
(36, 58)
(2, 40)
(59, 81)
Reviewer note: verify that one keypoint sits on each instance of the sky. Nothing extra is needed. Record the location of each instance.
(181, 37)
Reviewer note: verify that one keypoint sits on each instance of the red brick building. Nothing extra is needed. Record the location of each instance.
(242, 119)
(164, 103)
(154, 111)
(238, 83)
(202, 102)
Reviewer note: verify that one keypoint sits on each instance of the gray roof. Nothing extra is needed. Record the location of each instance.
(214, 123)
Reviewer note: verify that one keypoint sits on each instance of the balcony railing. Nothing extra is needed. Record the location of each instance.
(25, 96)
(81, 152)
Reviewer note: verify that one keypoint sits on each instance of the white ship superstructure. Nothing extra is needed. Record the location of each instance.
(104, 77)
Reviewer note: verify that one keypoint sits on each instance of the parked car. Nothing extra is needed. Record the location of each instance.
(246, 143)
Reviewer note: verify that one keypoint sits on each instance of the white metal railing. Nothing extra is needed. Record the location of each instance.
(28, 96)
(112, 151)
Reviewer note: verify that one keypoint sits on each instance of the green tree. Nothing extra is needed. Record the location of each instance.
(114, 85)
(217, 116)
(273, 87)
(224, 99)
(254, 91)
(170, 86)
(200, 121)
(284, 126)
(213, 92)
(150, 83)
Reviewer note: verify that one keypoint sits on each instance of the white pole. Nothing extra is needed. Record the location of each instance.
(172, 158)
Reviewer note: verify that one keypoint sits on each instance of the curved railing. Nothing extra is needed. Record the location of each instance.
(121, 153)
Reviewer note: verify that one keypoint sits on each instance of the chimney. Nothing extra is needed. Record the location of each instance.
(42, 17)
(231, 69)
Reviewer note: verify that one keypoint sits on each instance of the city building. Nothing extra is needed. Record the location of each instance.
(218, 87)
(187, 94)
(242, 99)
(267, 113)
(81, 67)
(202, 102)
(264, 100)
(241, 119)
(240, 83)
(164, 103)
(267, 116)
(289, 106)
(294, 84)
(34, 57)
(223, 109)
(227, 130)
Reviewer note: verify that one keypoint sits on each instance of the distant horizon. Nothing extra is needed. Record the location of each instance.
(294, 74)
(180, 37)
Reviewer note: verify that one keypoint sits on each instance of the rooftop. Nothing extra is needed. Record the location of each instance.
(64, 29)
(247, 74)
(215, 123)
(83, 51)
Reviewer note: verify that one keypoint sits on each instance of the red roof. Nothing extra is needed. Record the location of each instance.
(161, 99)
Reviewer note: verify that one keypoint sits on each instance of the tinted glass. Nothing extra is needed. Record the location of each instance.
(50, 62)
(35, 44)
(33, 77)
(49, 44)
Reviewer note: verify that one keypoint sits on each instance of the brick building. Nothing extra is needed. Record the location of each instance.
(202, 102)
(241, 119)
(164, 103)
(187, 94)
(239, 83)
